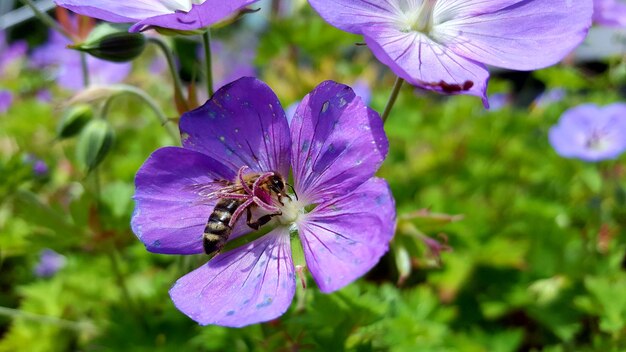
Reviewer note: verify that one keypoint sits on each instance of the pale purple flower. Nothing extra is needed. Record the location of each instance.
(172, 14)
(549, 96)
(10, 53)
(50, 262)
(40, 168)
(6, 100)
(44, 95)
(591, 133)
(444, 45)
(232, 59)
(66, 65)
(343, 216)
(609, 13)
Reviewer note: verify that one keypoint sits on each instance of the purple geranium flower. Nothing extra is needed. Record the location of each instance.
(343, 216)
(67, 66)
(444, 45)
(50, 262)
(591, 133)
(610, 13)
(6, 100)
(173, 14)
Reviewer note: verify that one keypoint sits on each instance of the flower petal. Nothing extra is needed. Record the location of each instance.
(344, 238)
(426, 63)
(200, 16)
(528, 35)
(242, 124)
(352, 15)
(170, 212)
(338, 143)
(250, 284)
(116, 11)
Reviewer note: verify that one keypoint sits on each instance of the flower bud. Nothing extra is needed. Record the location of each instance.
(94, 143)
(108, 43)
(73, 121)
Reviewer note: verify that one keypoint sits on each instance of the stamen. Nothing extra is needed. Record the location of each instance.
(300, 272)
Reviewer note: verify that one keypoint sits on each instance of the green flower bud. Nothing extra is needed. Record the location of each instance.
(94, 143)
(109, 43)
(73, 120)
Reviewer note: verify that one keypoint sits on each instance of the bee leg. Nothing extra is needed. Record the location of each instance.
(260, 221)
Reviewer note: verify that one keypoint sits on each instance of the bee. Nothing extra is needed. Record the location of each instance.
(250, 191)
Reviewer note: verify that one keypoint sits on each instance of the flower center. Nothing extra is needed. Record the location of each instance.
(596, 141)
(424, 21)
(292, 210)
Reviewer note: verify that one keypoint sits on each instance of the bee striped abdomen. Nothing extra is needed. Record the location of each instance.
(217, 230)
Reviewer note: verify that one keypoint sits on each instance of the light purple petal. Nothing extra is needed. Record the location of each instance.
(242, 124)
(344, 238)
(116, 11)
(529, 35)
(200, 16)
(338, 143)
(427, 64)
(170, 211)
(353, 15)
(251, 284)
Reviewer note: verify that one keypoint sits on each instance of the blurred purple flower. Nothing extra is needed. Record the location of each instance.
(334, 146)
(591, 133)
(6, 100)
(498, 101)
(233, 59)
(50, 262)
(609, 13)
(66, 65)
(172, 14)
(9, 53)
(40, 168)
(549, 96)
(44, 95)
(444, 45)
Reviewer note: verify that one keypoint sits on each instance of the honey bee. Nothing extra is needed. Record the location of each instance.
(250, 191)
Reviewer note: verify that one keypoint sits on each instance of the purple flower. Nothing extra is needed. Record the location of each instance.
(444, 45)
(49, 263)
(609, 13)
(67, 69)
(10, 53)
(173, 14)
(591, 133)
(549, 96)
(40, 168)
(343, 216)
(6, 100)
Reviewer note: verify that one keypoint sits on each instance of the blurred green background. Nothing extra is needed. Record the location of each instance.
(502, 245)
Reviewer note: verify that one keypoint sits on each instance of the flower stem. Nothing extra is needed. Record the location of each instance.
(151, 103)
(206, 39)
(392, 98)
(46, 19)
(84, 69)
(178, 85)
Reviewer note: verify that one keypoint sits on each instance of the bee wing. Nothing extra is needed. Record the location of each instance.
(211, 191)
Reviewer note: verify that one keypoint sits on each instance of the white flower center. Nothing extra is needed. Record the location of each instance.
(292, 210)
(180, 5)
(418, 15)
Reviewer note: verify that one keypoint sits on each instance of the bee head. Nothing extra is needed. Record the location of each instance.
(277, 184)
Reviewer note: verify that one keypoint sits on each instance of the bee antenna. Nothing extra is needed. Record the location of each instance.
(294, 191)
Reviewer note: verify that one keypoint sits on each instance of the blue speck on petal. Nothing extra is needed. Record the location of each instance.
(230, 312)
